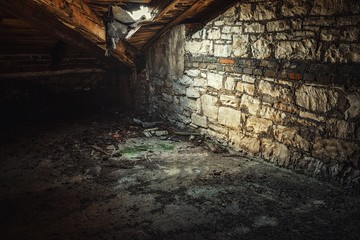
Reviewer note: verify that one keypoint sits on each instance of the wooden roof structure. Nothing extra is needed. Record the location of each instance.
(74, 29)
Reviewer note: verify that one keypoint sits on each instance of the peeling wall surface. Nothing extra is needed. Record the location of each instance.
(275, 79)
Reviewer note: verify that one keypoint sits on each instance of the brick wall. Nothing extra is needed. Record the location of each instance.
(276, 79)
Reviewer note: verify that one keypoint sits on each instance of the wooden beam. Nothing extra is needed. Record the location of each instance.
(168, 8)
(199, 4)
(50, 73)
(71, 21)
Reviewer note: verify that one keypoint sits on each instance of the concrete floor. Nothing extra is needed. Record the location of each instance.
(55, 183)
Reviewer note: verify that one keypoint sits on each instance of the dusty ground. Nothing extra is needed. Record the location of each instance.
(55, 183)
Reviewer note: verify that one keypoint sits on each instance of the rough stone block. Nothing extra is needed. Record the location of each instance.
(311, 116)
(327, 7)
(179, 89)
(354, 101)
(345, 53)
(241, 142)
(210, 106)
(246, 12)
(230, 83)
(248, 79)
(229, 100)
(214, 34)
(229, 117)
(265, 11)
(192, 92)
(290, 136)
(240, 45)
(336, 149)
(275, 152)
(250, 104)
(197, 48)
(247, 88)
(275, 91)
(293, 8)
(254, 28)
(222, 50)
(316, 99)
(258, 125)
(277, 26)
(215, 80)
(193, 72)
(200, 82)
(340, 129)
(186, 80)
(199, 120)
(329, 35)
(301, 50)
(261, 48)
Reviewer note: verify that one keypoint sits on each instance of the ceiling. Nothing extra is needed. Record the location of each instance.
(35, 27)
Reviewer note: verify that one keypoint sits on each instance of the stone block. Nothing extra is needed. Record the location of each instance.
(336, 149)
(240, 45)
(197, 48)
(241, 142)
(178, 89)
(214, 34)
(192, 92)
(186, 80)
(329, 35)
(340, 129)
(229, 117)
(215, 80)
(265, 11)
(345, 53)
(246, 12)
(230, 83)
(222, 50)
(248, 79)
(209, 106)
(293, 8)
(277, 26)
(312, 116)
(275, 91)
(327, 7)
(261, 48)
(229, 100)
(247, 88)
(316, 99)
(258, 125)
(199, 120)
(290, 136)
(299, 50)
(193, 72)
(275, 152)
(250, 104)
(254, 28)
(354, 105)
(190, 104)
(200, 82)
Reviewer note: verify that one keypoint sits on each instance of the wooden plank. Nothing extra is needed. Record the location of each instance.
(71, 21)
(50, 73)
(199, 4)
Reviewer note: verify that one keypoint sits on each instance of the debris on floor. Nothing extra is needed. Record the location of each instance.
(75, 180)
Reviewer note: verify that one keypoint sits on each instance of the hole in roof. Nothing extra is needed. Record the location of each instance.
(143, 11)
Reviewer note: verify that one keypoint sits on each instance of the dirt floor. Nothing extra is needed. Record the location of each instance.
(98, 177)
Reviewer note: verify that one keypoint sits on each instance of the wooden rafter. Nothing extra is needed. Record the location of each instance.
(196, 6)
(71, 21)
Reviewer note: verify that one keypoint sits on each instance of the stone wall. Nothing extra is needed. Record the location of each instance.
(275, 79)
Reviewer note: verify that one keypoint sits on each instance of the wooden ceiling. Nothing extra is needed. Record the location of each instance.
(36, 26)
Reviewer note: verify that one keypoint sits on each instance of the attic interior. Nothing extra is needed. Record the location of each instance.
(234, 119)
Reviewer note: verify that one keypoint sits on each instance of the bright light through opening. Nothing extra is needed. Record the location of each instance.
(144, 11)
